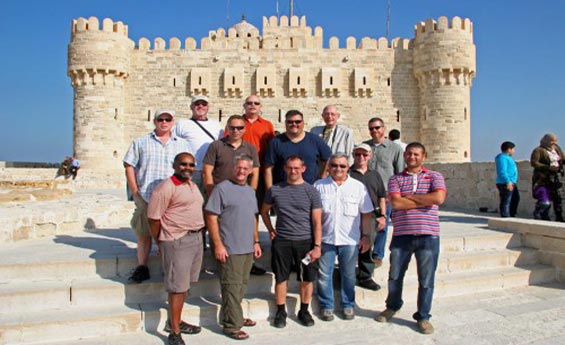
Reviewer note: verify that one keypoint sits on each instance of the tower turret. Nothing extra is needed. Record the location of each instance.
(444, 65)
(99, 60)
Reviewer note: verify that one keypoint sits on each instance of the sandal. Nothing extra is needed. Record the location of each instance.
(237, 335)
(249, 323)
(185, 328)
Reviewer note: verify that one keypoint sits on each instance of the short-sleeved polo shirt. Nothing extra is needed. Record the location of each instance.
(421, 220)
(221, 154)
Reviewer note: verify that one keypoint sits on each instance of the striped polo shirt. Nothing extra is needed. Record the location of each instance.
(421, 220)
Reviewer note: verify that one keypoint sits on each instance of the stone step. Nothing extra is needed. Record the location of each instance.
(84, 321)
(111, 253)
(22, 295)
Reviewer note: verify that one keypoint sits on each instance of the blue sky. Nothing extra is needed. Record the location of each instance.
(518, 94)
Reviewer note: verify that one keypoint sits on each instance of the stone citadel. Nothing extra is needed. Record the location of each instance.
(420, 86)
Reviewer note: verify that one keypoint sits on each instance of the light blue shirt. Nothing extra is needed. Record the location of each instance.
(153, 160)
(506, 169)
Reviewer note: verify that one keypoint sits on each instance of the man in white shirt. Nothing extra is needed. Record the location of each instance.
(346, 228)
(200, 132)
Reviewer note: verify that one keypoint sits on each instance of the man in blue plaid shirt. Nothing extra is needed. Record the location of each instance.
(149, 161)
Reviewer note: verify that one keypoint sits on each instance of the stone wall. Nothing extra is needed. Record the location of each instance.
(471, 186)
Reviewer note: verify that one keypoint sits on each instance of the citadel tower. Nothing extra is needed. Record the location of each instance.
(420, 86)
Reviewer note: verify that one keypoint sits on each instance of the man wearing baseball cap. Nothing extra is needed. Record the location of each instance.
(148, 161)
(199, 131)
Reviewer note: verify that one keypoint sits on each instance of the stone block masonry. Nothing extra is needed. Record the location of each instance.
(420, 86)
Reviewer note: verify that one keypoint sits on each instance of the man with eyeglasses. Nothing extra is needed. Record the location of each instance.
(338, 137)
(199, 131)
(219, 159)
(346, 230)
(259, 132)
(377, 191)
(387, 159)
(148, 161)
(295, 141)
(175, 217)
(231, 219)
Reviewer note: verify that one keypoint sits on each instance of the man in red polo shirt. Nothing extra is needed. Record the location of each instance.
(415, 195)
(259, 132)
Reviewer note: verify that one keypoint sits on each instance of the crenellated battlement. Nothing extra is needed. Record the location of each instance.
(92, 24)
(420, 85)
(442, 25)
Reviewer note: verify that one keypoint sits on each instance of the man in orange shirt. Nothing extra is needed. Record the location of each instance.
(259, 132)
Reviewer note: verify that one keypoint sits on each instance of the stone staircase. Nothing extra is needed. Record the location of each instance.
(66, 287)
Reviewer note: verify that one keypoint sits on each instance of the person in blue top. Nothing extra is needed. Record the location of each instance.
(506, 180)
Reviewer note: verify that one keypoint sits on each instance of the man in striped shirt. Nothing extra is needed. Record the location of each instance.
(415, 195)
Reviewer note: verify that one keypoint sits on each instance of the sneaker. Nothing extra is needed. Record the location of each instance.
(140, 274)
(185, 328)
(257, 271)
(327, 315)
(175, 339)
(305, 318)
(280, 319)
(348, 313)
(425, 327)
(369, 284)
(385, 316)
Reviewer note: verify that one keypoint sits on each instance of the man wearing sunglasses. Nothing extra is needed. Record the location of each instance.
(377, 191)
(148, 161)
(346, 230)
(199, 131)
(387, 159)
(219, 158)
(176, 220)
(295, 142)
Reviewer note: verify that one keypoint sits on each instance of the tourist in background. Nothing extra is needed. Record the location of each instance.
(394, 136)
(507, 179)
(547, 161)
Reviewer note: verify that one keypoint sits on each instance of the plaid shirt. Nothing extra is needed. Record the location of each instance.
(153, 161)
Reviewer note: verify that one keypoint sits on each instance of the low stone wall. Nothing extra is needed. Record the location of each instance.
(547, 237)
(471, 186)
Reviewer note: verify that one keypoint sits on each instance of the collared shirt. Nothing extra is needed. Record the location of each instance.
(221, 154)
(197, 139)
(340, 139)
(153, 160)
(387, 160)
(421, 220)
(178, 206)
(342, 206)
(259, 133)
(373, 182)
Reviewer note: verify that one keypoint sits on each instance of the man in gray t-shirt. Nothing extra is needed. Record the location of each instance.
(298, 235)
(230, 218)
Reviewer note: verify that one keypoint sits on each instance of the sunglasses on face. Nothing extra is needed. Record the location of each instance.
(361, 154)
(233, 128)
(165, 119)
(184, 164)
(375, 128)
(293, 122)
(335, 165)
(202, 103)
(252, 103)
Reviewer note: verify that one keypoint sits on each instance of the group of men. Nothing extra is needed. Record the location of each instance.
(329, 196)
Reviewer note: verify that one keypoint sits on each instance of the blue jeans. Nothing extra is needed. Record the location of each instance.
(380, 239)
(347, 258)
(509, 200)
(426, 251)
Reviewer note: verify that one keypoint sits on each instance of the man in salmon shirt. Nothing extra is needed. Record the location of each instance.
(176, 220)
